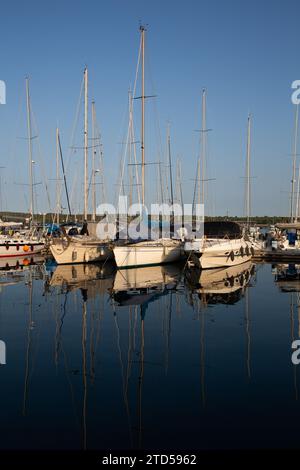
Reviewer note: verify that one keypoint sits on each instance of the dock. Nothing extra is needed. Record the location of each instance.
(269, 255)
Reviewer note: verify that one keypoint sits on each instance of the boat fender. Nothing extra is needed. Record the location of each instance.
(242, 251)
(252, 250)
(231, 256)
(25, 248)
(247, 250)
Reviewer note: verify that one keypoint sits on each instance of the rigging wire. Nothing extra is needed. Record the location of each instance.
(40, 156)
(123, 161)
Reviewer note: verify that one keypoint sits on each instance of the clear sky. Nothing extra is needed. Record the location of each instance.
(244, 52)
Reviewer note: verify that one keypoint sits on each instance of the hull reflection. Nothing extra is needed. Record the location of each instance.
(287, 277)
(96, 278)
(140, 285)
(12, 270)
(220, 285)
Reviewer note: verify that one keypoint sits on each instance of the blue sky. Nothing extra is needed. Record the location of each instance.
(244, 53)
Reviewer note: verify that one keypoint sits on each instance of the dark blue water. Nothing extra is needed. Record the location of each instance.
(158, 359)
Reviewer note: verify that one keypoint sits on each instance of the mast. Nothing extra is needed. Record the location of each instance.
(29, 149)
(297, 196)
(199, 195)
(85, 143)
(294, 167)
(130, 146)
(93, 163)
(203, 142)
(179, 196)
(170, 166)
(142, 29)
(1, 199)
(57, 178)
(63, 171)
(248, 209)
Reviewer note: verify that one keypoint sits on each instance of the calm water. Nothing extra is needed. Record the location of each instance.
(148, 358)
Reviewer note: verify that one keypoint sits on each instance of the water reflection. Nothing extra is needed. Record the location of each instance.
(13, 270)
(222, 285)
(287, 277)
(13, 264)
(93, 279)
(104, 358)
(139, 286)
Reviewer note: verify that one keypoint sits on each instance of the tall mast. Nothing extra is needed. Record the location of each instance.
(297, 196)
(142, 29)
(30, 150)
(93, 162)
(63, 172)
(248, 170)
(85, 143)
(294, 163)
(130, 146)
(170, 166)
(203, 142)
(179, 196)
(1, 202)
(57, 178)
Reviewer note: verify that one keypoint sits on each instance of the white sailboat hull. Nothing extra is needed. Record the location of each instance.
(215, 253)
(16, 248)
(148, 253)
(80, 250)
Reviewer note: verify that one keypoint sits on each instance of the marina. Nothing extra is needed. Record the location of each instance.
(149, 233)
(90, 345)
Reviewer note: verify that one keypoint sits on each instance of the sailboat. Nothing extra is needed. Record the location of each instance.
(87, 247)
(223, 243)
(27, 243)
(146, 252)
